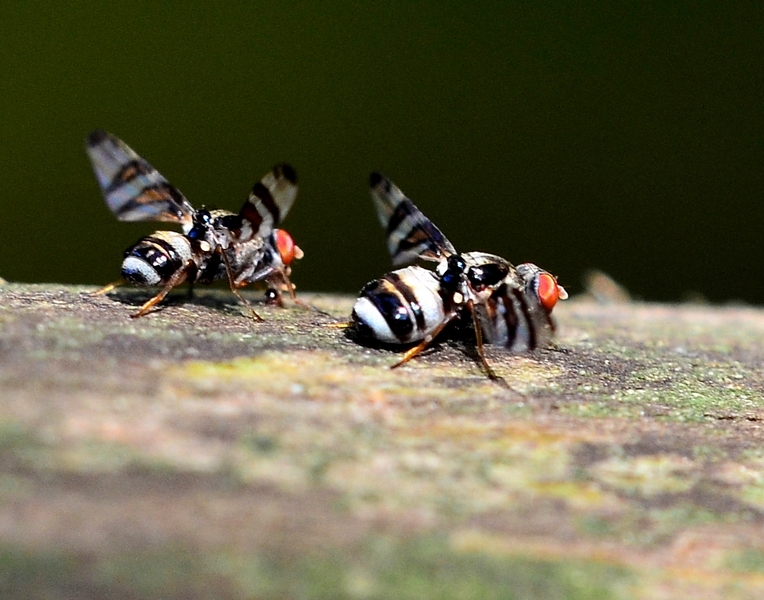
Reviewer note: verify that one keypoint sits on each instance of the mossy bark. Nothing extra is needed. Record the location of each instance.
(194, 452)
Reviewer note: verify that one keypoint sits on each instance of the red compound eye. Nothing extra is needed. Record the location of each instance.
(286, 247)
(549, 292)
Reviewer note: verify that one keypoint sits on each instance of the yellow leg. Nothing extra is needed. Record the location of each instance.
(177, 278)
(412, 352)
(107, 288)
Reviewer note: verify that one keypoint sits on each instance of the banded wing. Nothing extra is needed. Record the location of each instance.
(270, 200)
(410, 235)
(133, 189)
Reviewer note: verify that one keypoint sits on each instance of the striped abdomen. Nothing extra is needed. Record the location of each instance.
(155, 258)
(402, 307)
(514, 318)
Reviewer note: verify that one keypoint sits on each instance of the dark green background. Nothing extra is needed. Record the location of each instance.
(624, 137)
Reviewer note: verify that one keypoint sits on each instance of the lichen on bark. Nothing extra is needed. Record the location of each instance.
(280, 459)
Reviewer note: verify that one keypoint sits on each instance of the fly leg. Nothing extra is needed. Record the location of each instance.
(108, 287)
(479, 343)
(280, 281)
(234, 287)
(273, 295)
(412, 352)
(176, 279)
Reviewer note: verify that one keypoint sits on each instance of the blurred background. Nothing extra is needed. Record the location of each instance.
(625, 138)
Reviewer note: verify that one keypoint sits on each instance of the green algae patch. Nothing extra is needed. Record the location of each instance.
(647, 475)
(746, 561)
(50, 574)
(201, 454)
(754, 494)
(380, 567)
(386, 447)
(262, 367)
(600, 409)
(675, 377)
(679, 402)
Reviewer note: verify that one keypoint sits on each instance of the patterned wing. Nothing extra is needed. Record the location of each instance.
(270, 199)
(410, 235)
(133, 189)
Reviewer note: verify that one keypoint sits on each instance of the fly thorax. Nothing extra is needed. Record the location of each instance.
(228, 228)
(201, 234)
(254, 260)
(234, 227)
(485, 278)
(453, 285)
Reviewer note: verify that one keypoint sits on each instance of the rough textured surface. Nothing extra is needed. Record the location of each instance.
(194, 453)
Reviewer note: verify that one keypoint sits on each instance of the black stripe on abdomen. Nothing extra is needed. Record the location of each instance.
(388, 301)
(408, 295)
(158, 253)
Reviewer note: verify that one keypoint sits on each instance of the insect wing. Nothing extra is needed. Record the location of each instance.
(410, 235)
(133, 189)
(270, 200)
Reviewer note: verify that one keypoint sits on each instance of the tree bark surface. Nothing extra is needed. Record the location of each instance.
(196, 453)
